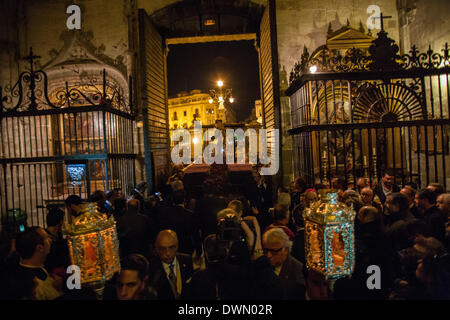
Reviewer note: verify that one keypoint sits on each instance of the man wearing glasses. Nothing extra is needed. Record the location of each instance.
(276, 247)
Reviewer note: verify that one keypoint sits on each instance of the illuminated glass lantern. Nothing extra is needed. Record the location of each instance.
(93, 245)
(329, 236)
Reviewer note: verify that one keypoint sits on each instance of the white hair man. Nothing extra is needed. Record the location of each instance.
(276, 247)
(443, 202)
(284, 199)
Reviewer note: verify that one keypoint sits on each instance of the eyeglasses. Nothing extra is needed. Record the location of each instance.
(272, 251)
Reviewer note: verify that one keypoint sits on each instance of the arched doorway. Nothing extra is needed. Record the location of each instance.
(199, 22)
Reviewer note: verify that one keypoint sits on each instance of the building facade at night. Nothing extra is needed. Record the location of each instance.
(187, 107)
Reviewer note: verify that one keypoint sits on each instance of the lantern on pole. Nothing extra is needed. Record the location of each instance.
(93, 246)
(329, 236)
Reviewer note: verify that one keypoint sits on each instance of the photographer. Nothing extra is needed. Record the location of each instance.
(223, 278)
(235, 267)
(233, 228)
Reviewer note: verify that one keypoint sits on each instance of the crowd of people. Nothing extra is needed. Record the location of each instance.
(216, 240)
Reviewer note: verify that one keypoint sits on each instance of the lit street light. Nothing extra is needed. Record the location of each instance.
(220, 95)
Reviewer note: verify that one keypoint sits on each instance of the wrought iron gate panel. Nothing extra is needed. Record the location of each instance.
(78, 142)
(356, 123)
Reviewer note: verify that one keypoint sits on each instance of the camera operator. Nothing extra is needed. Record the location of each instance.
(230, 272)
(222, 279)
(233, 228)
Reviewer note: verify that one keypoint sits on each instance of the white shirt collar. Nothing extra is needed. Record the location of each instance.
(385, 191)
(166, 266)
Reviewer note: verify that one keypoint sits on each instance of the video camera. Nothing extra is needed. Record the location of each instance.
(229, 229)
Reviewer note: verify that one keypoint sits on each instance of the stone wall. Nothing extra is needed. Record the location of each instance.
(305, 22)
(42, 25)
(424, 23)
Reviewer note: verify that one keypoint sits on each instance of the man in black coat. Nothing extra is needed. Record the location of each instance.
(207, 208)
(169, 270)
(410, 193)
(433, 216)
(276, 247)
(134, 230)
(230, 274)
(386, 185)
(180, 220)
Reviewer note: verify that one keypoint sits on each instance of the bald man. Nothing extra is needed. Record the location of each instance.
(410, 193)
(170, 270)
(368, 199)
(443, 202)
(361, 183)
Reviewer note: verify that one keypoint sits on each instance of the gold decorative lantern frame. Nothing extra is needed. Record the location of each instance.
(329, 236)
(93, 245)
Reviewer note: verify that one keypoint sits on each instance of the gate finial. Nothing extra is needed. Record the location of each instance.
(31, 57)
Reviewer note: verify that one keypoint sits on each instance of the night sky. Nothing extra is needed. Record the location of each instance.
(199, 66)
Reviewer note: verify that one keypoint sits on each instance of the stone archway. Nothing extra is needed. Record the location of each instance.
(204, 18)
(201, 21)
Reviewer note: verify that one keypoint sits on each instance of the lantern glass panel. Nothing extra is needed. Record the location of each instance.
(93, 245)
(329, 236)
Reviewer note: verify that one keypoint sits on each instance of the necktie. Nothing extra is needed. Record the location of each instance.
(173, 281)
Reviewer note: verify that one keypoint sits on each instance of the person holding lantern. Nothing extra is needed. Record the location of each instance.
(33, 246)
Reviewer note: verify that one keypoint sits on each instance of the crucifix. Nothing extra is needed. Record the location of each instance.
(381, 17)
(31, 58)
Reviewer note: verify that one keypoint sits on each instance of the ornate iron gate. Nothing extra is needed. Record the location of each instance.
(75, 141)
(362, 112)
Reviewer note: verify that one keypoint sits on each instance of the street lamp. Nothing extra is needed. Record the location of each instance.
(220, 95)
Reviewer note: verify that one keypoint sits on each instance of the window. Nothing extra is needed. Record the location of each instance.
(175, 116)
(185, 113)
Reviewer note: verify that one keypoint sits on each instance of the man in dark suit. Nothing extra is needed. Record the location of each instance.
(169, 270)
(432, 215)
(181, 220)
(386, 185)
(276, 247)
(207, 208)
(265, 190)
(134, 230)
(410, 193)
